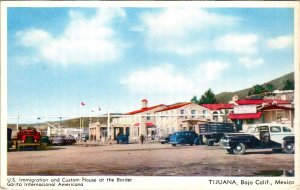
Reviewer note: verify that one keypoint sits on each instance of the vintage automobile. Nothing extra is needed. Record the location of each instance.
(45, 140)
(212, 132)
(122, 139)
(184, 137)
(59, 140)
(273, 136)
(165, 139)
(70, 140)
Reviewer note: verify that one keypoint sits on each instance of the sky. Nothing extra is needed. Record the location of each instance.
(113, 57)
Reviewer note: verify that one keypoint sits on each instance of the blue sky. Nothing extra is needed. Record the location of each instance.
(115, 57)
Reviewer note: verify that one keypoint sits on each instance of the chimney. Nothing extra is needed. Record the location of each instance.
(144, 103)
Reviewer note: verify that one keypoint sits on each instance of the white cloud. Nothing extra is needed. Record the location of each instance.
(237, 43)
(280, 42)
(181, 31)
(251, 63)
(159, 79)
(84, 40)
(166, 79)
(212, 69)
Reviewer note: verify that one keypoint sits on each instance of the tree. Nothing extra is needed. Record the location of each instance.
(270, 87)
(258, 89)
(208, 97)
(288, 85)
(195, 100)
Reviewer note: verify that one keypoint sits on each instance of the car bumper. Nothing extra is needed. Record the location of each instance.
(224, 143)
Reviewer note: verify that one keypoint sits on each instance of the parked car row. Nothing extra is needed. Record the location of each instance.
(278, 137)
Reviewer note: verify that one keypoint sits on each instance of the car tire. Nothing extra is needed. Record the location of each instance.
(210, 143)
(239, 149)
(173, 144)
(230, 151)
(289, 148)
(191, 144)
(162, 143)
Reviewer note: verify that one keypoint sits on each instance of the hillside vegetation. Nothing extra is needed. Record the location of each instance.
(224, 97)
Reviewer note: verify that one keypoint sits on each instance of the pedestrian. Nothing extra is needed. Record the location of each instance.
(142, 138)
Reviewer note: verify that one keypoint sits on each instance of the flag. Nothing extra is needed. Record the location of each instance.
(82, 103)
(99, 108)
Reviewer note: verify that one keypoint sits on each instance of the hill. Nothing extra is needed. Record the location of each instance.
(224, 97)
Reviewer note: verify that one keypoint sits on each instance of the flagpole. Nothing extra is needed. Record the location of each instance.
(108, 126)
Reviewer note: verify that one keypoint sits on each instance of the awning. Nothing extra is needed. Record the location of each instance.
(148, 124)
(245, 116)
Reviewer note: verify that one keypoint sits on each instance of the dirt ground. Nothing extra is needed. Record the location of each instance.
(147, 160)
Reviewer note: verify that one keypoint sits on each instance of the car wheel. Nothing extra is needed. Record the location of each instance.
(230, 151)
(210, 143)
(289, 148)
(192, 144)
(239, 149)
(162, 143)
(173, 144)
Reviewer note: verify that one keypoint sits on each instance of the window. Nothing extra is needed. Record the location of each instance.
(148, 117)
(279, 114)
(275, 129)
(173, 129)
(215, 116)
(193, 112)
(285, 129)
(256, 130)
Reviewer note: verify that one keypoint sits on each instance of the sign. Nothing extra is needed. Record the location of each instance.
(244, 109)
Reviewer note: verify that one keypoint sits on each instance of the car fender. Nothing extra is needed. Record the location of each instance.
(233, 142)
(289, 138)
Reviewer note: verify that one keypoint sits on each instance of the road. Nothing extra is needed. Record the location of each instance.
(151, 159)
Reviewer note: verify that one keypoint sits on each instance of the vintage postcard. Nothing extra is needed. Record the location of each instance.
(150, 95)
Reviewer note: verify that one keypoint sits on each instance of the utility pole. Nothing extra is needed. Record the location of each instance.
(108, 126)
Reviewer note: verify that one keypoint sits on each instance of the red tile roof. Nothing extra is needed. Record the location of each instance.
(275, 107)
(144, 109)
(174, 106)
(217, 106)
(144, 100)
(257, 102)
(245, 116)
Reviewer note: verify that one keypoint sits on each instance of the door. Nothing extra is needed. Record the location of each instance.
(127, 131)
